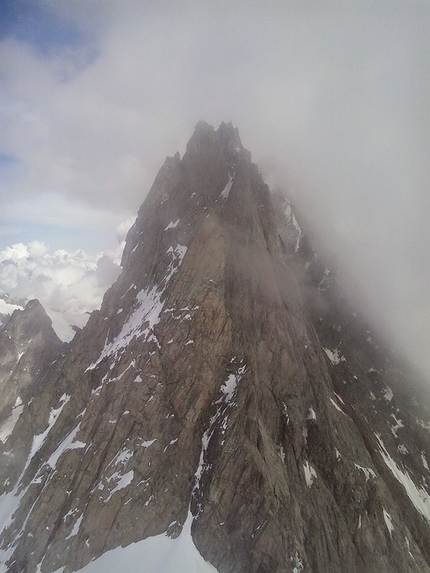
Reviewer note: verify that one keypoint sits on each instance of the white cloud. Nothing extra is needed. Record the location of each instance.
(68, 282)
(123, 228)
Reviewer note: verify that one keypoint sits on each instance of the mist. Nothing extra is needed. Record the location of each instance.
(331, 99)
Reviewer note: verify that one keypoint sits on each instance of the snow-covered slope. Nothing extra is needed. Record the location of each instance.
(158, 554)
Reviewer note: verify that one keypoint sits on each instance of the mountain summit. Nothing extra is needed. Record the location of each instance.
(225, 410)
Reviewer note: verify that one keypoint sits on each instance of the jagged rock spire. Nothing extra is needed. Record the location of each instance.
(213, 396)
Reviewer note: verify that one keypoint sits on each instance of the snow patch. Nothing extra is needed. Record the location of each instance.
(226, 191)
(120, 481)
(291, 219)
(147, 443)
(147, 308)
(325, 282)
(8, 425)
(172, 225)
(418, 496)
(311, 414)
(388, 394)
(310, 473)
(218, 421)
(76, 527)
(388, 521)
(336, 406)
(334, 356)
(67, 444)
(170, 444)
(368, 472)
(39, 439)
(399, 424)
(159, 554)
(122, 457)
(9, 503)
(297, 562)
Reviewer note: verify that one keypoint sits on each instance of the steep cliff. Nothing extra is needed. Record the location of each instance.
(225, 390)
(28, 348)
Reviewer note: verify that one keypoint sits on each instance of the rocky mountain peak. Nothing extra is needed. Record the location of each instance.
(28, 348)
(225, 399)
(25, 323)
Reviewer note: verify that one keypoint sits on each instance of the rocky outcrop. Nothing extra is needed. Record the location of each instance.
(224, 378)
(28, 347)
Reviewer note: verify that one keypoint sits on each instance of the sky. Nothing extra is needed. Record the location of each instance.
(332, 99)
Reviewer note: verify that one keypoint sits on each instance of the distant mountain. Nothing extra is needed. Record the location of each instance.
(7, 307)
(65, 324)
(225, 410)
(28, 349)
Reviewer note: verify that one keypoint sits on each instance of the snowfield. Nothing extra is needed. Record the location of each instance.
(159, 554)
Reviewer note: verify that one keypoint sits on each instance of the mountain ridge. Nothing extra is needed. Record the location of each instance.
(225, 385)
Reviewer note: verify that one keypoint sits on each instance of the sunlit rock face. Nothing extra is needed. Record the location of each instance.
(225, 393)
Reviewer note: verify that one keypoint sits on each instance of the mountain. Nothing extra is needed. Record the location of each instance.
(7, 308)
(65, 324)
(225, 410)
(28, 349)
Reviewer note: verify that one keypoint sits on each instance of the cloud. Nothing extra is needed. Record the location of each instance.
(331, 98)
(69, 282)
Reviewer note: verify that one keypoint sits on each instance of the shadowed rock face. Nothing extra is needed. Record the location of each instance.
(224, 375)
(28, 347)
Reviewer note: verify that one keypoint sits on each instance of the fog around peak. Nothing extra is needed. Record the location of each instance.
(331, 99)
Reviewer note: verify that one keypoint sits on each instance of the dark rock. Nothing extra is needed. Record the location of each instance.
(225, 374)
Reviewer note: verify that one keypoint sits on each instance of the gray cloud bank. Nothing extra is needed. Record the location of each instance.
(331, 98)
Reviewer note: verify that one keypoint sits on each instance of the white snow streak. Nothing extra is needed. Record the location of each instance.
(418, 496)
(219, 420)
(388, 521)
(226, 191)
(120, 481)
(334, 356)
(292, 219)
(368, 472)
(9, 503)
(147, 443)
(312, 414)
(172, 225)
(388, 394)
(399, 424)
(67, 444)
(39, 439)
(147, 308)
(337, 407)
(310, 473)
(8, 425)
(75, 529)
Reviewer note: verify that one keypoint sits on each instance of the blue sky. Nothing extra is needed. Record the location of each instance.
(35, 24)
(331, 98)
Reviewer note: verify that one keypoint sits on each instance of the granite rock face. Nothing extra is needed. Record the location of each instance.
(224, 376)
(28, 348)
